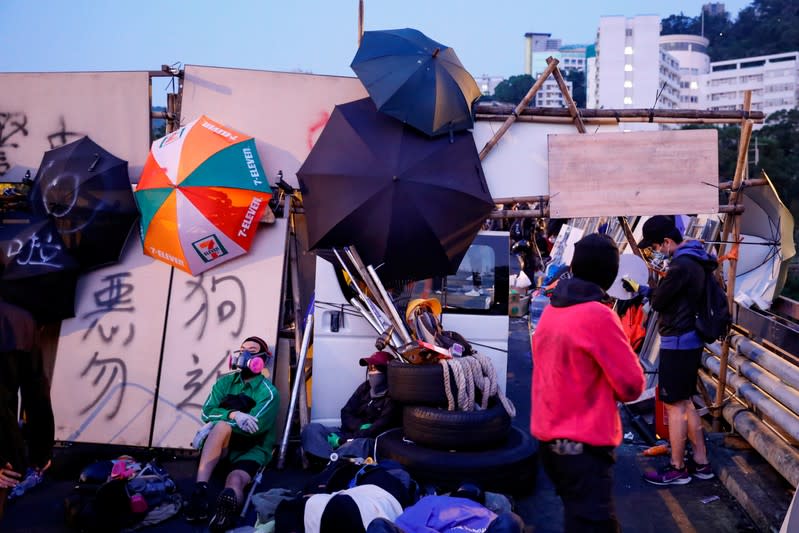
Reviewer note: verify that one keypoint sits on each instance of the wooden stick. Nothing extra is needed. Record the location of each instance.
(495, 108)
(759, 182)
(564, 89)
(544, 211)
(526, 100)
(630, 237)
(360, 22)
(732, 224)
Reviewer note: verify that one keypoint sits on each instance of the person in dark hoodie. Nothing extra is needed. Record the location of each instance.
(583, 365)
(676, 299)
(369, 412)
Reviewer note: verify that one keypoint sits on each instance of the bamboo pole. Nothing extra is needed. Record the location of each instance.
(544, 212)
(502, 109)
(360, 22)
(564, 89)
(519, 108)
(732, 224)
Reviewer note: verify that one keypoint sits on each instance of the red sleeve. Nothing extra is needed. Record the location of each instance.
(617, 359)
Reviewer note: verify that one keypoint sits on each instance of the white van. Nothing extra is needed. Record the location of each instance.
(474, 301)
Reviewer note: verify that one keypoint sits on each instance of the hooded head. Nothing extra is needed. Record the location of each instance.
(596, 259)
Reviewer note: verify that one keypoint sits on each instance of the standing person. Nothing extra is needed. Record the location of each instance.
(677, 299)
(240, 417)
(579, 346)
(22, 370)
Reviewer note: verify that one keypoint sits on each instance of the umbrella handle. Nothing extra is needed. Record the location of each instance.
(94, 163)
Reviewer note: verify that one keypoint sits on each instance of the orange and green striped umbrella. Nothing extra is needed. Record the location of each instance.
(201, 195)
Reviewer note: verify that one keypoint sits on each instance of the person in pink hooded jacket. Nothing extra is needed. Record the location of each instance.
(582, 365)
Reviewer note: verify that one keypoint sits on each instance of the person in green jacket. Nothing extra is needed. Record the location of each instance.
(240, 417)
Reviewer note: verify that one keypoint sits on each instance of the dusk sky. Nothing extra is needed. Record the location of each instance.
(316, 36)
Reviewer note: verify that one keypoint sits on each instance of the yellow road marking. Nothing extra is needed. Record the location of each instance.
(680, 518)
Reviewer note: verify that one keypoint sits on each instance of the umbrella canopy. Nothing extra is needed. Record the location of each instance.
(38, 274)
(767, 245)
(201, 195)
(416, 80)
(406, 201)
(88, 193)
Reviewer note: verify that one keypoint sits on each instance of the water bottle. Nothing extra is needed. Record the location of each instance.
(537, 305)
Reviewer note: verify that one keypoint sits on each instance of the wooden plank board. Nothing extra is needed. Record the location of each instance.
(633, 173)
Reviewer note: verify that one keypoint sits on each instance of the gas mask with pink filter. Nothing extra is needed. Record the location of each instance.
(250, 364)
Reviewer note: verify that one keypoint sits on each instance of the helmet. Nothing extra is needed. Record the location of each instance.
(431, 303)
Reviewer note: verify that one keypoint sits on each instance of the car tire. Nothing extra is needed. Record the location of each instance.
(509, 468)
(418, 384)
(456, 430)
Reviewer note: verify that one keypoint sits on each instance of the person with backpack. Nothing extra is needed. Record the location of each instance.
(678, 299)
(240, 417)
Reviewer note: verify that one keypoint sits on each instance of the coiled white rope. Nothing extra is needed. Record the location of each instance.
(472, 372)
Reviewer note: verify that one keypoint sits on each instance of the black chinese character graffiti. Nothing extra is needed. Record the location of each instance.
(233, 309)
(62, 136)
(116, 296)
(11, 125)
(117, 368)
(197, 382)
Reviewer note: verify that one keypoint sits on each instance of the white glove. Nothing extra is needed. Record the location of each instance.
(202, 434)
(246, 422)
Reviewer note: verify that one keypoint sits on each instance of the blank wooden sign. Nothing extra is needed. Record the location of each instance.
(633, 173)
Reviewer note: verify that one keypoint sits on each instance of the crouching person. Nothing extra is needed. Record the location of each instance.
(369, 412)
(240, 417)
(579, 347)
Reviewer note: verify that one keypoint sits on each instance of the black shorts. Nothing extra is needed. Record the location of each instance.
(677, 374)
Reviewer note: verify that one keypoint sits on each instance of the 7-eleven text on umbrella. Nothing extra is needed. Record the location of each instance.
(249, 216)
(253, 168)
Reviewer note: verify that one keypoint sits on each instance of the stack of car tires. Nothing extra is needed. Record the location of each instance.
(448, 448)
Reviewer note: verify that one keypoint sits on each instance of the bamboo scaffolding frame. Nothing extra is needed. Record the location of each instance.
(732, 224)
(519, 108)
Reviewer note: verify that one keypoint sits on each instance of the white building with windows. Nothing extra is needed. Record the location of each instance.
(691, 53)
(629, 69)
(773, 80)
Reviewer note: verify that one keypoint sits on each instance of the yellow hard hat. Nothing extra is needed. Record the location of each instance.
(432, 303)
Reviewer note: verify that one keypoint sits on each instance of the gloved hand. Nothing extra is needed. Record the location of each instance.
(202, 434)
(334, 440)
(630, 285)
(365, 426)
(246, 422)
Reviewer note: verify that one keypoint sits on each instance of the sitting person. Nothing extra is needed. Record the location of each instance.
(369, 412)
(240, 416)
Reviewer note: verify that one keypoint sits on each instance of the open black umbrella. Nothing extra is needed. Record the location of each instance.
(38, 274)
(88, 193)
(409, 202)
(416, 80)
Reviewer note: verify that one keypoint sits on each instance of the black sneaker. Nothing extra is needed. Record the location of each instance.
(197, 508)
(668, 475)
(226, 515)
(699, 471)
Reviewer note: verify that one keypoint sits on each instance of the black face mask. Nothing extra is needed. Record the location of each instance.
(378, 384)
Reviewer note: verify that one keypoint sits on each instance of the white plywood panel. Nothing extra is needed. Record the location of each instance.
(285, 112)
(107, 360)
(40, 111)
(209, 316)
(517, 166)
(634, 173)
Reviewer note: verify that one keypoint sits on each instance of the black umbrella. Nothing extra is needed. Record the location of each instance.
(403, 199)
(416, 80)
(88, 193)
(38, 273)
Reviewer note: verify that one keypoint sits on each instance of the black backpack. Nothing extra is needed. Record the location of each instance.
(713, 318)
